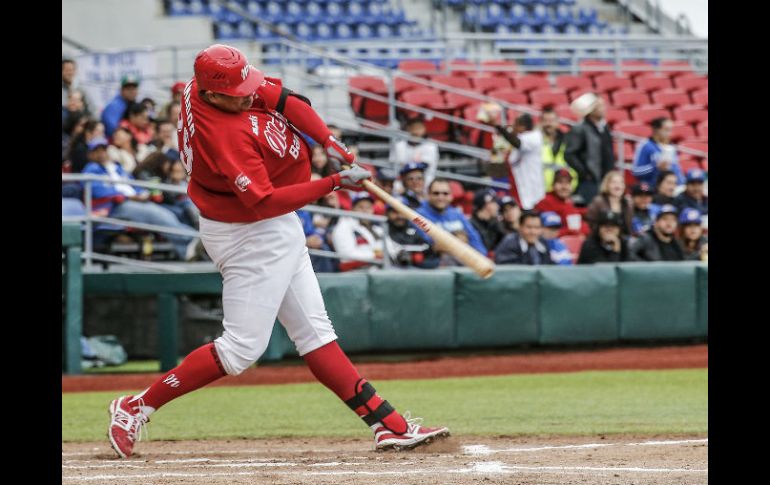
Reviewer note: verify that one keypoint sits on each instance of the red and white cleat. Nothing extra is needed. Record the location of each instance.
(126, 423)
(415, 435)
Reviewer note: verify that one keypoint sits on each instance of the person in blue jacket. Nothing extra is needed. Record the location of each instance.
(657, 154)
(124, 201)
(115, 109)
(558, 250)
(437, 209)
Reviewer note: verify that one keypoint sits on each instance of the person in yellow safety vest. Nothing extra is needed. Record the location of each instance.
(553, 148)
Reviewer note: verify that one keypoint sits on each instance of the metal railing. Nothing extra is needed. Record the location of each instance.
(89, 220)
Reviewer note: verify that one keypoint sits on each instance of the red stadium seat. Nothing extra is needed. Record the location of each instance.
(453, 81)
(564, 111)
(645, 114)
(418, 68)
(688, 162)
(607, 83)
(676, 68)
(691, 82)
(615, 115)
(460, 101)
(629, 98)
(457, 191)
(458, 67)
(594, 67)
(474, 136)
(670, 98)
(629, 149)
(694, 145)
(628, 175)
(633, 128)
(489, 83)
(437, 128)
(426, 98)
(653, 82)
(692, 114)
(573, 244)
(700, 97)
(367, 108)
(569, 83)
(681, 131)
(512, 96)
(500, 67)
(634, 68)
(546, 97)
(402, 85)
(703, 129)
(530, 82)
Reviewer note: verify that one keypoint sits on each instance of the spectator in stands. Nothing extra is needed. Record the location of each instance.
(438, 210)
(176, 97)
(657, 154)
(486, 209)
(151, 106)
(644, 210)
(319, 162)
(558, 251)
(180, 204)
(123, 201)
(78, 147)
(125, 150)
(73, 111)
(384, 179)
(406, 247)
(693, 196)
(116, 109)
(606, 244)
(413, 180)
(612, 197)
(318, 229)
(71, 129)
(660, 243)
(173, 112)
(69, 84)
(589, 145)
(694, 243)
(554, 145)
(527, 246)
(511, 215)
(356, 239)
(154, 168)
(137, 121)
(666, 188)
(447, 260)
(421, 150)
(166, 140)
(559, 200)
(526, 162)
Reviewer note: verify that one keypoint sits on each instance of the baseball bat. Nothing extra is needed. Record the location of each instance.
(464, 253)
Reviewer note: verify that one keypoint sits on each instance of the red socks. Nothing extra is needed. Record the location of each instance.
(200, 367)
(332, 368)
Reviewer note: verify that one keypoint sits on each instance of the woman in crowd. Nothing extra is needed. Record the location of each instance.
(78, 147)
(606, 244)
(612, 197)
(694, 243)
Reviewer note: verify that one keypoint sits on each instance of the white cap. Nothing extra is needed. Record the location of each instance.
(584, 104)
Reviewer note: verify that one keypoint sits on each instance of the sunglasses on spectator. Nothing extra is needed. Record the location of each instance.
(440, 193)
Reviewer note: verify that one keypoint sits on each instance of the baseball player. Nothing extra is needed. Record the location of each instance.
(239, 138)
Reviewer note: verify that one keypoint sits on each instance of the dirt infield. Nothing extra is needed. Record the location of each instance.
(615, 460)
(671, 357)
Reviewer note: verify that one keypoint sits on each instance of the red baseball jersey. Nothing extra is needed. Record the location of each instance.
(237, 159)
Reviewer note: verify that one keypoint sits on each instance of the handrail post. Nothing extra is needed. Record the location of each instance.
(89, 239)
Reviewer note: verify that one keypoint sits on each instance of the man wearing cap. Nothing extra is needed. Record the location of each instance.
(418, 149)
(589, 145)
(660, 243)
(241, 141)
(656, 154)
(694, 242)
(406, 247)
(115, 109)
(606, 244)
(358, 240)
(123, 201)
(486, 209)
(551, 226)
(384, 179)
(511, 213)
(527, 246)
(69, 85)
(176, 97)
(413, 180)
(559, 200)
(644, 211)
(693, 195)
(438, 209)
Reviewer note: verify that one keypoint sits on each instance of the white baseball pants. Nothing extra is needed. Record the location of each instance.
(266, 273)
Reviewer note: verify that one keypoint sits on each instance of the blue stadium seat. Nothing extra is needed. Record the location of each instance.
(254, 7)
(177, 7)
(224, 31)
(198, 7)
(325, 31)
(245, 30)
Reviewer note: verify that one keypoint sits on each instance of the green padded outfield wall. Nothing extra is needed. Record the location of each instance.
(578, 304)
(501, 310)
(657, 300)
(703, 300)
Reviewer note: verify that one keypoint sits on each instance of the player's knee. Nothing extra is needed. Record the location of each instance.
(238, 354)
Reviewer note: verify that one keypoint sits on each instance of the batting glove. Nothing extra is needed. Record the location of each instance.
(337, 150)
(353, 176)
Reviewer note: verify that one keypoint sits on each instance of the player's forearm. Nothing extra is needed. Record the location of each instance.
(304, 117)
(292, 197)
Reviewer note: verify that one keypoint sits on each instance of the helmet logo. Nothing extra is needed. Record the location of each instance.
(245, 71)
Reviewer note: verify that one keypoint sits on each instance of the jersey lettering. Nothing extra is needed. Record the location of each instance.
(275, 134)
(186, 126)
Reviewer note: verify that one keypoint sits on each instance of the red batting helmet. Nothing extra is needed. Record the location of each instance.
(224, 69)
